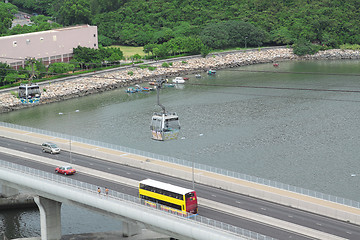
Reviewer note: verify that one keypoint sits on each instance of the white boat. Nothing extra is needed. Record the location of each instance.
(178, 80)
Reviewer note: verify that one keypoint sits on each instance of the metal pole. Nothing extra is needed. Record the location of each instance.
(193, 176)
(70, 136)
(70, 139)
(158, 86)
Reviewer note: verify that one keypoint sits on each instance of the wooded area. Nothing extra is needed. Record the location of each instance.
(167, 28)
(141, 22)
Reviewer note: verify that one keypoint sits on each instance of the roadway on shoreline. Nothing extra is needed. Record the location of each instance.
(213, 199)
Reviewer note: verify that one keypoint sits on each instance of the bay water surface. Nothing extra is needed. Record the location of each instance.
(297, 124)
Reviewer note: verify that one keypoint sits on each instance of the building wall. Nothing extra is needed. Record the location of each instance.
(49, 46)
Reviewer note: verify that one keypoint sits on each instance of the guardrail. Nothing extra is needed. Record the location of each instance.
(118, 196)
(199, 166)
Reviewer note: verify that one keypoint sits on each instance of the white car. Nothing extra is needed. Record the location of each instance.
(50, 147)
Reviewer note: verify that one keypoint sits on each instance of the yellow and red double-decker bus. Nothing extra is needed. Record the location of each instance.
(172, 197)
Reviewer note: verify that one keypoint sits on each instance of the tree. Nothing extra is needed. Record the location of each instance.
(214, 36)
(90, 57)
(14, 77)
(74, 12)
(282, 35)
(149, 48)
(60, 67)
(303, 47)
(164, 35)
(232, 34)
(192, 45)
(4, 70)
(6, 16)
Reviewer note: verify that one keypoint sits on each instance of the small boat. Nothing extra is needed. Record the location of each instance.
(212, 72)
(198, 76)
(186, 78)
(178, 80)
(275, 64)
(145, 89)
(142, 89)
(131, 90)
(151, 83)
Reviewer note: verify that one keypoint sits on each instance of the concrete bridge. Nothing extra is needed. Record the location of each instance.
(225, 180)
(52, 190)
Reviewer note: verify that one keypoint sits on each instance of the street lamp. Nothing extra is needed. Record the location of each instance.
(193, 175)
(245, 41)
(69, 114)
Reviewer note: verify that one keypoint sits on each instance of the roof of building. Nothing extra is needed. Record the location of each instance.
(48, 31)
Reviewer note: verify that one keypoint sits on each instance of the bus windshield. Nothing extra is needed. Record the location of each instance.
(191, 202)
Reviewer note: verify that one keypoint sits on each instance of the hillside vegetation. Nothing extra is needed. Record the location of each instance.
(215, 22)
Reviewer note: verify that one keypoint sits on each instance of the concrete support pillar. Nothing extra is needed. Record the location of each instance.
(50, 218)
(9, 191)
(130, 229)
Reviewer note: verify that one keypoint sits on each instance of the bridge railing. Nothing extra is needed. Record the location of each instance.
(118, 196)
(199, 166)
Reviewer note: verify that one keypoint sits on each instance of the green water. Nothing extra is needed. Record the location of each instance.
(276, 123)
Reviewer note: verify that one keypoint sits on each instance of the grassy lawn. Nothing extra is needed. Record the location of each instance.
(130, 51)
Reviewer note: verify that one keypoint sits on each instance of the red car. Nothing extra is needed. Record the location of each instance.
(66, 170)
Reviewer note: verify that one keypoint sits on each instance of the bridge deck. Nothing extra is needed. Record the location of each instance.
(297, 200)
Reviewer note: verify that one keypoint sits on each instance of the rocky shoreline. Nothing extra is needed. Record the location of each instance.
(59, 91)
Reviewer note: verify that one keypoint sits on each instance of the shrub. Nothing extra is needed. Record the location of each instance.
(151, 68)
(130, 73)
(165, 65)
(303, 47)
(350, 46)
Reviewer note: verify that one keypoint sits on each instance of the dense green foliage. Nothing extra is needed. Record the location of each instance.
(7, 12)
(141, 22)
(60, 67)
(89, 57)
(303, 47)
(181, 27)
